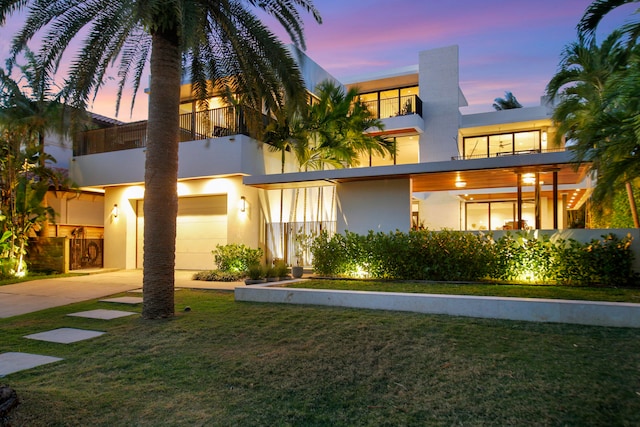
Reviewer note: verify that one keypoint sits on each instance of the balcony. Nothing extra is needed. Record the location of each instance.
(393, 107)
(509, 153)
(214, 123)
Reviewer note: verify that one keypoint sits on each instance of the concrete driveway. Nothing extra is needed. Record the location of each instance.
(36, 295)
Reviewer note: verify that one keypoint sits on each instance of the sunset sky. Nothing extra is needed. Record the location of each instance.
(504, 45)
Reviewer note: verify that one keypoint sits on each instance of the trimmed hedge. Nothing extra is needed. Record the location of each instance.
(462, 256)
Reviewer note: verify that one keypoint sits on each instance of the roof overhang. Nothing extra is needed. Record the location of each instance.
(494, 172)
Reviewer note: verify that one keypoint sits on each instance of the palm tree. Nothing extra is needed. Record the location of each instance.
(598, 10)
(27, 112)
(337, 126)
(221, 41)
(591, 114)
(509, 102)
(31, 104)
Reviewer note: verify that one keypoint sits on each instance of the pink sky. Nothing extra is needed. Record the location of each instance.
(504, 45)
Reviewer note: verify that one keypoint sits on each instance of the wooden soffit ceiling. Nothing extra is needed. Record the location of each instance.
(495, 178)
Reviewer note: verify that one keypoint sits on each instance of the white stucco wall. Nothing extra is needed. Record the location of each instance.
(439, 83)
(121, 243)
(236, 154)
(381, 205)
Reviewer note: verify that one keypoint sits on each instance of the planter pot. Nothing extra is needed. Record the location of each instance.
(297, 271)
(273, 279)
(253, 281)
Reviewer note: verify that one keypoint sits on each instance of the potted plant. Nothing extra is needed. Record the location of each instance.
(303, 241)
(255, 274)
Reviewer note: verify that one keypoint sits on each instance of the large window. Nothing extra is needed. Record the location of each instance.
(498, 215)
(392, 102)
(501, 144)
(407, 152)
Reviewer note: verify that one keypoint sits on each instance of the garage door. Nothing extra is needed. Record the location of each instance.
(200, 226)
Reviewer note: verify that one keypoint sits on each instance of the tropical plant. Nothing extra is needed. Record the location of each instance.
(28, 111)
(337, 126)
(594, 114)
(509, 102)
(223, 42)
(598, 10)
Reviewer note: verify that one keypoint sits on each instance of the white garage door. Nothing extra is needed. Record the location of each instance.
(201, 225)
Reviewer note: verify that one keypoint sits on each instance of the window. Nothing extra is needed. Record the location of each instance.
(501, 144)
(391, 102)
(500, 215)
(407, 152)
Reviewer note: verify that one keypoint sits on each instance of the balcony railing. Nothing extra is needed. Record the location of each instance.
(509, 153)
(193, 126)
(393, 107)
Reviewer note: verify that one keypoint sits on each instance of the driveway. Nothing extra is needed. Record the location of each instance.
(36, 295)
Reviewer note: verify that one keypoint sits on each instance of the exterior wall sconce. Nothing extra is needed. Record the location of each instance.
(243, 204)
(115, 211)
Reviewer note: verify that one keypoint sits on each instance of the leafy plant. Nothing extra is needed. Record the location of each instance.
(460, 256)
(218, 276)
(280, 268)
(255, 271)
(236, 257)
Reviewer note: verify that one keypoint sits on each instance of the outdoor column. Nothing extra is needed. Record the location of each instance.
(519, 223)
(555, 200)
(537, 201)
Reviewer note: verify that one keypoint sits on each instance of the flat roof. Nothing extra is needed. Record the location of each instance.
(493, 172)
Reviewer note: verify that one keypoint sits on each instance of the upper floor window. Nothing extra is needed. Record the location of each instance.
(407, 152)
(392, 102)
(502, 144)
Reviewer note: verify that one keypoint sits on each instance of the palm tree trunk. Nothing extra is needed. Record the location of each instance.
(632, 205)
(161, 175)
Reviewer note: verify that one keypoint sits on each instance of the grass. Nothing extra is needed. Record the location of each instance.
(231, 363)
(610, 294)
(36, 276)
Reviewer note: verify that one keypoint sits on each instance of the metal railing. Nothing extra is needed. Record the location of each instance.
(213, 123)
(509, 153)
(393, 107)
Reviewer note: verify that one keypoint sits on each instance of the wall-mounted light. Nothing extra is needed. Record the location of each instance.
(243, 204)
(115, 211)
(529, 178)
(461, 184)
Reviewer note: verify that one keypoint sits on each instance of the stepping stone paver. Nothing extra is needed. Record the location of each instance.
(65, 335)
(124, 300)
(102, 314)
(14, 361)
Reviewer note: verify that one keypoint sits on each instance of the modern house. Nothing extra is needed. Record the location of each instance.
(493, 171)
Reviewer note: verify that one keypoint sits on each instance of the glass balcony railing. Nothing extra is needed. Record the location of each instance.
(214, 123)
(393, 107)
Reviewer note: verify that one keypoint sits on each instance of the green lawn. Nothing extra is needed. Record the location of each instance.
(245, 364)
(610, 294)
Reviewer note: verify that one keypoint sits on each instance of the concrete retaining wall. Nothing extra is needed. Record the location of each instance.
(527, 309)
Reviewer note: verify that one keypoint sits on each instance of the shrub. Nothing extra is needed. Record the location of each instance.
(255, 271)
(218, 276)
(461, 256)
(280, 268)
(235, 257)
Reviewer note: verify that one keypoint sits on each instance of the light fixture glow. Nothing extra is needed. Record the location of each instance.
(529, 178)
(115, 211)
(461, 184)
(243, 204)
